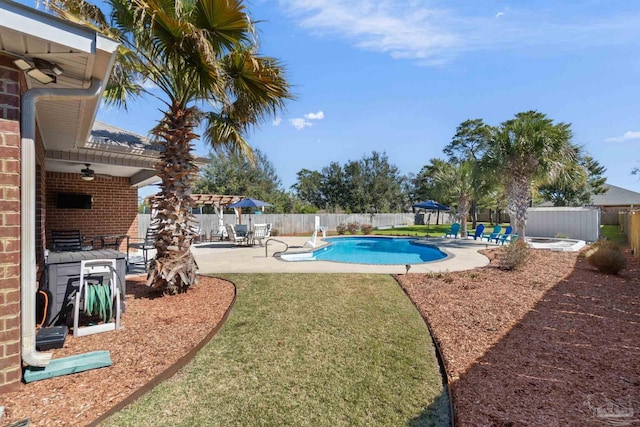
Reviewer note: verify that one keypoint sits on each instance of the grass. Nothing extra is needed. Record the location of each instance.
(613, 233)
(438, 230)
(306, 349)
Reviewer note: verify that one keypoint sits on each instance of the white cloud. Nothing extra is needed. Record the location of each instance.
(300, 123)
(629, 135)
(277, 121)
(422, 32)
(314, 116)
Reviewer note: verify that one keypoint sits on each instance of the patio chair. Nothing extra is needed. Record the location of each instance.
(260, 232)
(502, 237)
(241, 229)
(493, 235)
(508, 238)
(231, 232)
(145, 245)
(453, 231)
(68, 241)
(477, 233)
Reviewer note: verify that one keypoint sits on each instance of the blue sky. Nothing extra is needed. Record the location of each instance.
(399, 76)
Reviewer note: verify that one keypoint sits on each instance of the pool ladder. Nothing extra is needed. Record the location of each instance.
(266, 247)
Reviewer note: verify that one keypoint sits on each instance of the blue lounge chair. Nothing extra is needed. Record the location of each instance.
(453, 231)
(493, 235)
(502, 237)
(478, 232)
(508, 238)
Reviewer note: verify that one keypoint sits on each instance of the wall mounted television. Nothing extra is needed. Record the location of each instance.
(73, 201)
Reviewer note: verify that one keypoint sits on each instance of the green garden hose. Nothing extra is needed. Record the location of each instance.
(99, 301)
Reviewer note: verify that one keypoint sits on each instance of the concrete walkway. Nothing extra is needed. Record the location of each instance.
(225, 257)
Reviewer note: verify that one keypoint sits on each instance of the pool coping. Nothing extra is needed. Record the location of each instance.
(225, 257)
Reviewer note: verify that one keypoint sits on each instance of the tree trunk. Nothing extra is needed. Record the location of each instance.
(174, 268)
(463, 206)
(474, 215)
(518, 194)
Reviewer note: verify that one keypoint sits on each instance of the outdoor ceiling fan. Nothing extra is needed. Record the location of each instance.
(89, 174)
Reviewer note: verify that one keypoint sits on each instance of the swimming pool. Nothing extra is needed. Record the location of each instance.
(372, 250)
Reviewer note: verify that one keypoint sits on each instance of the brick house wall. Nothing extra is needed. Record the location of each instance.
(10, 362)
(114, 208)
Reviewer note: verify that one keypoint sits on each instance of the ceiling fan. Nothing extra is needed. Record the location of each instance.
(89, 174)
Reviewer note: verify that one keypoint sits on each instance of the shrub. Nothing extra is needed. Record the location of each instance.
(606, 257)
(353, 227)
(341, 229)
(275, 232)
(513, 255)
(366, 228)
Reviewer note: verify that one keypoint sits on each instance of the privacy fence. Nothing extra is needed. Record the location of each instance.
(575, 223)
(293, 223)
(630, 224)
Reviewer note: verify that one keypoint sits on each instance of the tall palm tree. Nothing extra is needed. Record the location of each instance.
(201, 57)
(527, 148)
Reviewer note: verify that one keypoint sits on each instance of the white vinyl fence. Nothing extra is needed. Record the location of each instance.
(294, 223)
(574, 223)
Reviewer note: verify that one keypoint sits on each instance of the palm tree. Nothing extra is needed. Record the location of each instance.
(201, 57)
(457, 180)
(525, 149)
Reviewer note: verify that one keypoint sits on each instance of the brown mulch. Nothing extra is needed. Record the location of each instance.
(553, 344)
(156, 333)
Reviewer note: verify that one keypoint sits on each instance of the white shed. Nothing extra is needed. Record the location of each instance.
(575, 223)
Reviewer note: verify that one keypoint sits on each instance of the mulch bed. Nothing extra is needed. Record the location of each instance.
(156, 332)
(555, 343)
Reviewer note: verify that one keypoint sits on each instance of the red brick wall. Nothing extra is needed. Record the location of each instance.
(114, 208)
(10, 364)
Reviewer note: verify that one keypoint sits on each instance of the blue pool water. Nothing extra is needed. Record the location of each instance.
(372, 250)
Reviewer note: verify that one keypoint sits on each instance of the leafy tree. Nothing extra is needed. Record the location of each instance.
(383, 184)
(578, 182)
(308, 187)
(201, 56)
(527, 148)
(426, 187)
(234, 174)
(333, 187)
(470, 144)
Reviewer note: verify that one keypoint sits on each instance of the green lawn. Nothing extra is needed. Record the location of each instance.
(613, 233)
(421, 230)
(306, 349)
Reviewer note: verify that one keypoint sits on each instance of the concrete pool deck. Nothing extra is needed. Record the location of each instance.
(225, 257)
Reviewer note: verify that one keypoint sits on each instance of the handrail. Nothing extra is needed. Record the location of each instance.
(266, 245)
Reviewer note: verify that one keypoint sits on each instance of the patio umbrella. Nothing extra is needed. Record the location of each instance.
(431, 205)
(248, 202)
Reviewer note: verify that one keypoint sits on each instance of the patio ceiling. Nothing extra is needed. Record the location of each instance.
(70, 136)
(83, 55)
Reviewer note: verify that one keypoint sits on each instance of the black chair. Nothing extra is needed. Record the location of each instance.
(147, 244)
(68, 241)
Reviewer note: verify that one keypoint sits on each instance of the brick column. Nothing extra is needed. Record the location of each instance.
(10, 363)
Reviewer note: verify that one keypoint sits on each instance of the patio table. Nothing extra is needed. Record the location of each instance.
(63, 273)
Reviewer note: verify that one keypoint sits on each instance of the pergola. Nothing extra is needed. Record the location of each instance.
(219, 202)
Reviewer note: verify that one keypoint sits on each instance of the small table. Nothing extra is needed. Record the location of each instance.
(113, 241)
